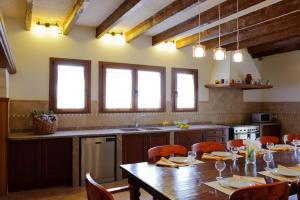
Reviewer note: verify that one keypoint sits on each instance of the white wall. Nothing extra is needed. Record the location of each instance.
(31, 54)
(283, 70)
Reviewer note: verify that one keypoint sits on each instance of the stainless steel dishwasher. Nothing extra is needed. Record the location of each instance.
(98, 157)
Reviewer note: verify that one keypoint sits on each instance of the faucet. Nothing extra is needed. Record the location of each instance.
(136, 124)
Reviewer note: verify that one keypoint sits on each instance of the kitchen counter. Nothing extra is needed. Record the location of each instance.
(105, 132)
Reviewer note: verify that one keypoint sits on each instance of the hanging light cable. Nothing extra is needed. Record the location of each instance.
(219, 52)
(199, 49)
(237, 54)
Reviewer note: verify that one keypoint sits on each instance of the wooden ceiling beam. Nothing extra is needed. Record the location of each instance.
(73, 16)
(211, 15)
(246, 21)
(275, 47)
(258, 32)
(28, 15)
(163, 14)
(108, 23)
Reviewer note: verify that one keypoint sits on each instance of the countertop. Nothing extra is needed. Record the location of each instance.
(107, 131)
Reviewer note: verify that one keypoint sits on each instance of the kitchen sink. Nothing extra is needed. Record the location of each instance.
(130, 129)
(151, 128)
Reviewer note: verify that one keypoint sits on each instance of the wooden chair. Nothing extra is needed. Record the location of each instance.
(97, 192)
(265, 139)
(290, 137)
(155, 153)
(234, 143)
(207, 147)
(274, 191)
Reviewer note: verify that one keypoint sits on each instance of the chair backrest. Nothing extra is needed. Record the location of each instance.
(234, 143)
(207, 147)
(290, 137)
(274, 191)
(155, 153)
(265, 139)
(96, 191)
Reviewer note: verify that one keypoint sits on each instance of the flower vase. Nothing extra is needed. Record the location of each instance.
(250, 156)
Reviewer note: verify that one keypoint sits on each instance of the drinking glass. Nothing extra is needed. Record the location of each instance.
(192, 156)
(295, 142)
(234, 151)
(220, 165)
(268, 157)
(270, 145)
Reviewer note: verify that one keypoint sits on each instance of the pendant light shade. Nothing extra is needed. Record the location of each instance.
(219, 52)
(198, 51)
(237, 56)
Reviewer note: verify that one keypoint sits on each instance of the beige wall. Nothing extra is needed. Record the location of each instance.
(283, 70)
(31, 54)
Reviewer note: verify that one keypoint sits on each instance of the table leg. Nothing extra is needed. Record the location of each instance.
(134, 189)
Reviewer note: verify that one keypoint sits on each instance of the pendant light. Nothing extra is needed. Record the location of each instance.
(237, 54)
(219, 52)
(199, 49)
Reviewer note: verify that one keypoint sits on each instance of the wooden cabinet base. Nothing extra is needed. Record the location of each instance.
(39, 163)
(3, 145)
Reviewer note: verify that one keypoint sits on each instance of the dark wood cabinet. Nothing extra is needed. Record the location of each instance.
(155, 139)
(188, 138)
(24, 161)
(135, 146)
(271, 130)
(39, 163)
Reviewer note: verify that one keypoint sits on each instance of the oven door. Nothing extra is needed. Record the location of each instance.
(252, 136)
(243, 136)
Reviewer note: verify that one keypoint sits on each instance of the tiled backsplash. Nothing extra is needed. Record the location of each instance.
(225, 106)
(288, 113)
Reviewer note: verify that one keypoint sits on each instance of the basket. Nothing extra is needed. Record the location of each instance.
(42, 127)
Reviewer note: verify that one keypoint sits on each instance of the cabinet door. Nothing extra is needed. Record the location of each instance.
(188, 138)
(24, 165)
(57, 162)
(133, 148)
(158, 139)
(271, 129)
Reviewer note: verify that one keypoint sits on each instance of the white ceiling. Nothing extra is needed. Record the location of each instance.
(96, 11)
(54, 10)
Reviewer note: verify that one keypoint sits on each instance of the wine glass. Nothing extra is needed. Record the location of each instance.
(192, 156)
(268, 157)
(234, 151)
(270, 145)
(220, 165)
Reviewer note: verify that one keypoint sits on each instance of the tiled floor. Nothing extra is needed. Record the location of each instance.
(67, 193)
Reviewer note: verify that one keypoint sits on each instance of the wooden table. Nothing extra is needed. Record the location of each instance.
(188, 182)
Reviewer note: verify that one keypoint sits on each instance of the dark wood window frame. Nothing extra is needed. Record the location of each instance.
(135, 68)
(54, 62)
(193, 72)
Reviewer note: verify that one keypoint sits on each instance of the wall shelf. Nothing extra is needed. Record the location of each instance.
(239, 86)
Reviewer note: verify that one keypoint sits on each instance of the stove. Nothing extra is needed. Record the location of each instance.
(238, 131)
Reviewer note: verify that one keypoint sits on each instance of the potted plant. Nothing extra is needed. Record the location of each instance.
(44, 122)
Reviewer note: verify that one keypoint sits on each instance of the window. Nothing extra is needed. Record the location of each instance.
(184, 89)
(131, 88)
(70, 85)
